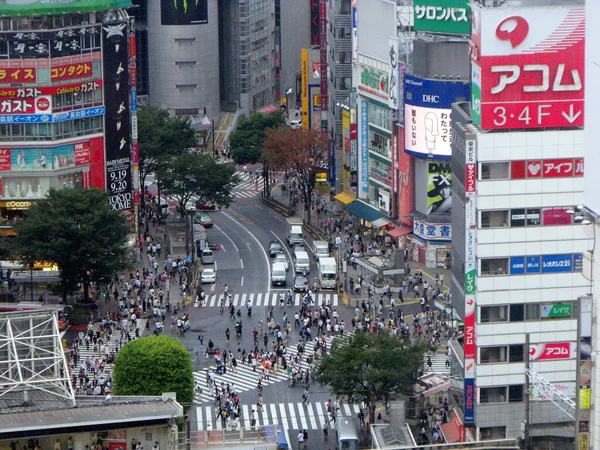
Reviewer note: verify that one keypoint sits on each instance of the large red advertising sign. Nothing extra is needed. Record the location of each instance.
(469, 327)
(552, 350)
(547, 168)
(32, 92)
(71, 71)
(82, 153)
(4, 159)
(532, 67)
(18, 75)
(39, 105)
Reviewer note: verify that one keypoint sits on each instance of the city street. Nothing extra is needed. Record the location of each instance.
(243, 233)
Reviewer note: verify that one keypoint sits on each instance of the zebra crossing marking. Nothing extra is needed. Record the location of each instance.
(438, 364)
(246, 379)
(256, 299)
(292, 415)
(247, 188)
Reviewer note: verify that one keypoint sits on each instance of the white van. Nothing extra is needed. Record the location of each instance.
(302, 262)
(320, 249)
(207, 256)
(278, 274)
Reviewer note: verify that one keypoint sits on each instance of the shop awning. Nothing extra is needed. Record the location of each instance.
(399, 231)
(381, 222)
(269, 109)
(364, 211)
(344, 198)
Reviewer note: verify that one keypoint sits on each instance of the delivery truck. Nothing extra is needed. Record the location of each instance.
(294, 234)
(327, 272)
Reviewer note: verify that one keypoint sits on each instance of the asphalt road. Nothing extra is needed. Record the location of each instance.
(243, 233)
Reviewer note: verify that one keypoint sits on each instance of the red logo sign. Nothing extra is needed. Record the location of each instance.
(534, 169)
(513, 29)
(43, 104)
(552, 350)
(471, 177)
(5, 159)
(547, 168)
(82, 153)
(532, 75)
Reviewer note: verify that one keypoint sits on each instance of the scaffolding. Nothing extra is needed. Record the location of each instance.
(33, 368)
(547, 390)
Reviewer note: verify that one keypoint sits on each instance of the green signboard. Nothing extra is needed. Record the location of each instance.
(443, 16)
(16, 8)
(470, 282)
(556, 310)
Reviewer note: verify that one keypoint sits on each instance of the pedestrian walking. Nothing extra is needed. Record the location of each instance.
(227, 335)
(253, 418)
(429, 362)
(305, 397)
(301, 440)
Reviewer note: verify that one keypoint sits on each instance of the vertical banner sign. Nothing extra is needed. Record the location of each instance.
(314, 22)
(324, 77)
(331, 161)
(134, 127)
(364, 146)
(470, 276)
(117, 119)
(393, 82)
(305, 123)
(354, 32)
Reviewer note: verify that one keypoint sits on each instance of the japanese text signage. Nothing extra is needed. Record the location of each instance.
(427, 107)
(33, 92)
(354, 31)
(556, 310)
(374, 82)
(553, 350)
(18, 75)
(117, 118)
(39, 105)
(469, 411)
(71, 71)
(442, 16)
(432, 231)
(470, 167)
(393, 80)
(532, 67)
(55, 117)
(364, 147)
(547, 168)
(570, 262)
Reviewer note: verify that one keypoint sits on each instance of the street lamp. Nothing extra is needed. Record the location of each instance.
(288, 93)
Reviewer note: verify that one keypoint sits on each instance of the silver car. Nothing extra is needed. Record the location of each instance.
(282, 259)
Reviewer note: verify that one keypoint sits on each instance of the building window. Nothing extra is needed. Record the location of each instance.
(515, 393)
(496, 394)
(489, 433)
(532, 311)
(516, 353)
(494, 219)
(491, 314)
(494, 266)
(517, 312)
(521, 217)
(495, 171)
(492, 355)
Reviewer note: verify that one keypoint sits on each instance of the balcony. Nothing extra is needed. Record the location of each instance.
(381, 176)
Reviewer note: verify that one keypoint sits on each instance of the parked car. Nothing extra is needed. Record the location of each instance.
(204, 220)
(275, 248)
(209, 275)
(280, 257)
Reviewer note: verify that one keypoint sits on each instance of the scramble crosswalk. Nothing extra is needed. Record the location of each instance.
(248, 187)
(293, 416)
(268, 299)
(246, 379)
(438, 363)
(85, 353)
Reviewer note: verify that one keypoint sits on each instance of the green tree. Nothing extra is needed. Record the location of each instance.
(302, 154)
(367, 367)
(159, 136)
(78, 230)
(247, 141)
(152, 366)
(196, 174)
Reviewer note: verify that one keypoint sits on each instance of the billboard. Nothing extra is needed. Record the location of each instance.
(405, 184)
(442, 16)
(314, 22)
(323, 56)
(305, 79)
(374, 82)
(439, 187)
(183, 12)
(393, 75)
(427, 107)
(547, 168)
(117, 117)
(432, 231)
(45, 7)
(553, 351)
(532, 67)
(34, 92)
(38, 105)
(470, 396)
(53, 118)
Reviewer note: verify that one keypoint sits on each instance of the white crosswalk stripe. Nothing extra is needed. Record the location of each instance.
(247, 187)
(245, 379)
(84, 353)
(292, 415)
(262, 299)
(438, 363)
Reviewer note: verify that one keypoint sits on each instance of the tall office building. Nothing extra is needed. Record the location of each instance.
(247, 50)
(517, 250)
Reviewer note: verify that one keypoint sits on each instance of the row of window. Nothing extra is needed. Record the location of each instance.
(525, 217)
(50, 131)
(512, 393)
(520, 312)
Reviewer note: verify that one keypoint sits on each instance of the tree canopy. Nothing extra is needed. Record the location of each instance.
(303, 153)
(152, 366)
(247, 141)
(78, 230)
(368, 367)
(159, 136)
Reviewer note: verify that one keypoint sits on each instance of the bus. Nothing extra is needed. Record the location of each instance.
(346, 434)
